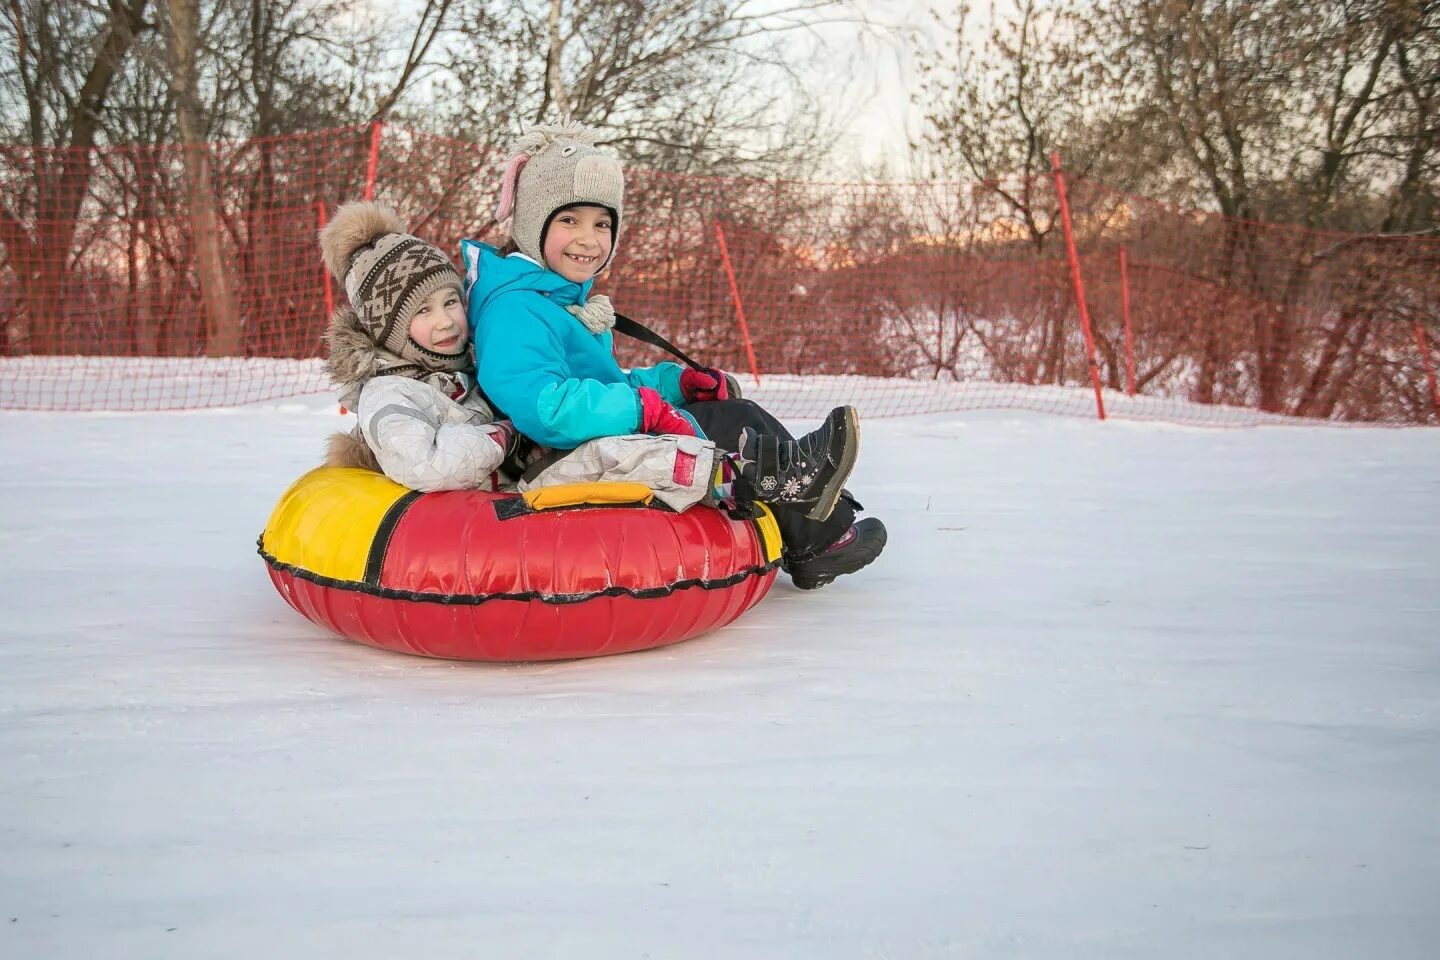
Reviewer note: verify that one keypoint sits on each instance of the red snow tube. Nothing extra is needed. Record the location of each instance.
(578, 571)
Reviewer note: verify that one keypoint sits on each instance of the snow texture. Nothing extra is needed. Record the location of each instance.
(1115, 690)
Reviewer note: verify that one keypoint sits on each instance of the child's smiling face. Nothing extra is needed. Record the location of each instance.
(578, 242)
(439, 325)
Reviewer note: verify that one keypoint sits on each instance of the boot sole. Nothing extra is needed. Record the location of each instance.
(830, 493)
(814, 580)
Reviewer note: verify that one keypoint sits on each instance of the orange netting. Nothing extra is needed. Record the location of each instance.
(116, 292)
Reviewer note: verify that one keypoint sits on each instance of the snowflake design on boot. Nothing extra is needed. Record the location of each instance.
(810, 470)
(796, 485)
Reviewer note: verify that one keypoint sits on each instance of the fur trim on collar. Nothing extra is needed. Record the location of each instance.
(349, 449)
(353, 357)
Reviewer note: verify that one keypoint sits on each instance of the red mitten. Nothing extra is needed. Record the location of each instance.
(658, 417)
(705, 383)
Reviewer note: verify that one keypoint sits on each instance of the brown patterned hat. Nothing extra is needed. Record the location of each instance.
(388, 274)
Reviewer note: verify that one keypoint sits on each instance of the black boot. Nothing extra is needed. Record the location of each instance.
(860, 545)
(812, 469)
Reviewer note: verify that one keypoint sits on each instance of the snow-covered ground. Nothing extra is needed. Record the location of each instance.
(1116, 690)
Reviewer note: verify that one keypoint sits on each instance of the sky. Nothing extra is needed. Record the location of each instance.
(868, 75)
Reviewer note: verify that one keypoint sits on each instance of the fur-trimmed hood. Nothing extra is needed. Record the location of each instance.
(353, 360)
(354, 357)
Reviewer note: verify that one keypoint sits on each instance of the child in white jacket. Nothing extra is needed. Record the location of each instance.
(399, 358)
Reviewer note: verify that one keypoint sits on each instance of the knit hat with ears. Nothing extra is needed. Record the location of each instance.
(553, 167)
(388, 275)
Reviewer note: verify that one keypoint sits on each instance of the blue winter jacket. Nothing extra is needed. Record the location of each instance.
(558, 382)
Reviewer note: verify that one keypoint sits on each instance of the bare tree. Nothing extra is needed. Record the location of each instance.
(995, 108)
(1415, 109)
(223, 334)
(683, 85)
(66, 61)
(1284, 112)
(88, 75)
(1294, 112)
(1011, 88)
(434, 19)
(1319, 113)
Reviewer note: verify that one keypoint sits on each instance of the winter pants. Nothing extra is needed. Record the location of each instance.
(722, 421)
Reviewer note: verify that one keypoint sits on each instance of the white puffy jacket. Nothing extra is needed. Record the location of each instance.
(426, 441)
(679, 470)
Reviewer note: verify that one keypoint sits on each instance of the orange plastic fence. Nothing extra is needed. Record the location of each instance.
(899, 297)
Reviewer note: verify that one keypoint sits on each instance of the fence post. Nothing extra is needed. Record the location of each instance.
(1423, 342)
(1077, 280)
(1129, 334)
(374, 163)
(739, 306)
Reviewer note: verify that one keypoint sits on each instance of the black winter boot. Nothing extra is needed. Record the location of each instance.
(812, 469)
(860, 545)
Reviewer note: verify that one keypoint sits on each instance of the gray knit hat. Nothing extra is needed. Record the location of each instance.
(553, 167)
(388, 274)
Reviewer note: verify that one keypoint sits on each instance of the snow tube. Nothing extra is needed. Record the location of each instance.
(576, 571)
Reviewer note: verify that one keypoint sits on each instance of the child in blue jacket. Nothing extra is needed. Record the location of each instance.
(545, 357)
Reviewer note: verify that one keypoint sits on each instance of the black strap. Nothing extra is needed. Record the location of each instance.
(638, 330)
